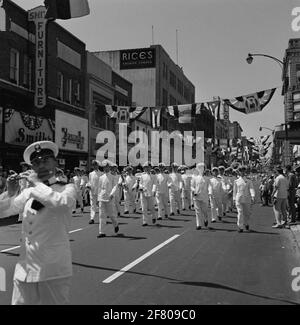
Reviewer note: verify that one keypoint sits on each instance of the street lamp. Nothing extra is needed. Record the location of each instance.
(249, 59)
(263, 127)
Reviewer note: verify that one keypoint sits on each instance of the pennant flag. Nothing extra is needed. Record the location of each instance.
(124, 113)
(156, 117)
(251, 103)
(215, 107)
(264, 139)
(66, 9)
(184, 113)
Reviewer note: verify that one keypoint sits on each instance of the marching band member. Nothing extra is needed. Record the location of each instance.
(83, 183)
(186, 189)
(23, 185)
(175, 186)
(129, 191)
(216, 196)
(226, 189)
(146, 188)
(230, 180)
(92, 186)
(161, 189)
(77, 183)
(60, 176)
(107, 188)
(138, 175)
(118, 179)
(244, 197)
(43, 274)
(201, 190)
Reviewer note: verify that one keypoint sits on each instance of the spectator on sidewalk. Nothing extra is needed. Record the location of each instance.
(293, 183)
(279, 197)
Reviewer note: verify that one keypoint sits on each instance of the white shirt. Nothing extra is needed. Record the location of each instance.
(176, 181)
(163, 180)
(130, 180)
(107, 186)
(77, 182)
(45, 248)
(94, 181)
(216, 186)
(147, 182)
(186, 182)
(201, 187)
(243, 190)
(282, 185)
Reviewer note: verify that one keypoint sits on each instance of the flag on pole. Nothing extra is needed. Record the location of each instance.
(66, 9)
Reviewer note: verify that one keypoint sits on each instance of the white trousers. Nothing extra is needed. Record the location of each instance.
(106, 210)
(51, 292)
(216, 207)
(147, 203)
(243, 214)
(129, 201)
(94, 206)
(201, 209)
(175, 199)
(186, 199)
(163, 205)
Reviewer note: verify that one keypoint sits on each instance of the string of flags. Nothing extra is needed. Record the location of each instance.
(186, 113)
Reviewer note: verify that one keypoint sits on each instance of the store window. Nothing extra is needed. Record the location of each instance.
(59, 86)
(76, 92)
(27, 72)
(68, 96)
(14, 66)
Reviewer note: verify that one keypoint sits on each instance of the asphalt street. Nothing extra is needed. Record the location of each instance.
(172, 263)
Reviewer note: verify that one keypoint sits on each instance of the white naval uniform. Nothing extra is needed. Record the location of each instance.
(129, 194)
(226, 186)
(23, 185)
(186, 191)
(243, 192)
(175, 187)
(83, 182)
(77, 184)
(93, 187)
(201, 189)
(161, 188)
(147, 186)
(216, 198)
(43, 274)
(107, 187)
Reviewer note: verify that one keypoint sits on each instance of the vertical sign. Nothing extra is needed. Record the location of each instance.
(37, 15)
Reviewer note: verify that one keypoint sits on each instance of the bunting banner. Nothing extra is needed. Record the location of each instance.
(156, 113)
(184, 113)
(124, 114)
(251, 103)
(66, 9)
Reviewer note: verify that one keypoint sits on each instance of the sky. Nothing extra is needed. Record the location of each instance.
(214, 39)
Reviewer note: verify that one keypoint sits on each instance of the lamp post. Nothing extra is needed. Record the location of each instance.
(249, 59)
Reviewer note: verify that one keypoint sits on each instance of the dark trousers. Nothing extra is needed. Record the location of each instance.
(292, 208)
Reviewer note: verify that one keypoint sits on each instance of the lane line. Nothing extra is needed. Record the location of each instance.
(9, 249)
(139, 260)
(76, 230)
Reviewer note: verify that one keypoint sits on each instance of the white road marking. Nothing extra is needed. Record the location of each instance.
(139, 260)
(10, 249)
(76, 230)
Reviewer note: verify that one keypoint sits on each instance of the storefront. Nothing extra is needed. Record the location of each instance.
(22, 129)
(71, 136)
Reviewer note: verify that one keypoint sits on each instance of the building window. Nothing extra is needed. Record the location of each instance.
(68, 97)
(172, 80)
(186, 93)
(164, 97)
(76, 92)
(14, 66)
(60, 86)
(27, 75)
(180, 87)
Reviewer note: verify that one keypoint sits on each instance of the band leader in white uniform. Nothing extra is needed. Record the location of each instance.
(244, 197)
(43, 275)
(129, 191)
(175, 189)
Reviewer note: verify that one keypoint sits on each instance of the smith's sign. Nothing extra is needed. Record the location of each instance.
(137, 59)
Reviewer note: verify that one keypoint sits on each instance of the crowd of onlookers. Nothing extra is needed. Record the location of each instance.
(281, 189)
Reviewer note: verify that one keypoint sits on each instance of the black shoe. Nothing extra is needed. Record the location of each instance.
(172, 214)
(19, 221)
(159, 218)
(127, 212)
(219, 218)
(183, 209)
(91, 222)
(73, 212)
(144, 225)
(154, 221)
(178, 212)
(206, 224)
(82, 210)
(134, 211)
(213, 221)
(101, 236)
(119, 214)
(240, 230)
(247, 227)
(198, 228)
(116, 229)
(167, 217)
